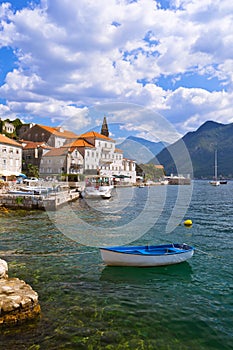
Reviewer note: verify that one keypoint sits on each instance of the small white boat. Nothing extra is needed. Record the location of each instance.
(98, 187)
(141, 185)
(145, 256)
(164, 182)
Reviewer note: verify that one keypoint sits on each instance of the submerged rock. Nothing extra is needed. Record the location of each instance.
(18, 301)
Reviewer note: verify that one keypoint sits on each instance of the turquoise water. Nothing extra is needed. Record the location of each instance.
(86, 305)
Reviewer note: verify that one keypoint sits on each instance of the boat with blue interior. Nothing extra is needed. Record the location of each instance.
(145, 256)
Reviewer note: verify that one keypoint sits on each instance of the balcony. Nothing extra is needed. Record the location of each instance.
(106, 161)
(106, 149)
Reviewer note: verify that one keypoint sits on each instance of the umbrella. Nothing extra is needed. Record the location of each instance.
(23, 175)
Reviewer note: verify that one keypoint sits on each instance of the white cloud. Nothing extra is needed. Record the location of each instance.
(88, 53)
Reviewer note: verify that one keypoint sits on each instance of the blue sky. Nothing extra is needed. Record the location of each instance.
(159, 68)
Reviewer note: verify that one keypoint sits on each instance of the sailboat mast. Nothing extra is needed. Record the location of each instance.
(216, 166)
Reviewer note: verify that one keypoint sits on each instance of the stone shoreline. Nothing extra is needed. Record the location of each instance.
(18, 301)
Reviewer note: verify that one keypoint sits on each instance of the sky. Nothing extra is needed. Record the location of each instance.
(156, 69)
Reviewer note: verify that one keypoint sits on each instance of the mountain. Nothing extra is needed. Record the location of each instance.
(201, 145)
(140, 149)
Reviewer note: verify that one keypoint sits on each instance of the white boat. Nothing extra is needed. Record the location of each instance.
(164, 182)
(145, 256)
(98, 187)
(21, 193)
(92, 192)
(215, 182)
(36, 189)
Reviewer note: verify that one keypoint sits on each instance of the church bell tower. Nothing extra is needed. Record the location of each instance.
(104, 128)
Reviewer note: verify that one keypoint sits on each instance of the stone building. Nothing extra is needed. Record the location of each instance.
(62, 160)
(32, 153)
(52, 136)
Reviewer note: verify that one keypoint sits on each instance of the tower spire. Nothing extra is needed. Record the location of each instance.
(104, 128)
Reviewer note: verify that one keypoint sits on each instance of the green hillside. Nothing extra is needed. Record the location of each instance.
(201, 146)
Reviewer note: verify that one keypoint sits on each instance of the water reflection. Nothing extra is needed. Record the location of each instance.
(139, 275)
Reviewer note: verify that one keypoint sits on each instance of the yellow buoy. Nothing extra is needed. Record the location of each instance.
(188, 222)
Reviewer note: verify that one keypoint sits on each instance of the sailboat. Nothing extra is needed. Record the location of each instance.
(215, 182)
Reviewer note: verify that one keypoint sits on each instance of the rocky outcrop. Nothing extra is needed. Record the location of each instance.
(18, 301)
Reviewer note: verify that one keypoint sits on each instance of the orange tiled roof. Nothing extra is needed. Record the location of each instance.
(57, 131)
(6, 140)
(118, 150)
(95, 135)
(79, 143)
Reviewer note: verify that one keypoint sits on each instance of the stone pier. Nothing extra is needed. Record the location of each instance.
(50, 201)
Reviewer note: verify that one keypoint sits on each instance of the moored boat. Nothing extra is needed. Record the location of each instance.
(223, 182)
(215, 182)
(145, 256)
(98, 187)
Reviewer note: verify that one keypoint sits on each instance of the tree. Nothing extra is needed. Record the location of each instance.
(32, 171)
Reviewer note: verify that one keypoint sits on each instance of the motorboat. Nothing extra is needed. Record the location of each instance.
(98, 187)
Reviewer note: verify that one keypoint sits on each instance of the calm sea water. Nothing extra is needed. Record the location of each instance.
(86, 305)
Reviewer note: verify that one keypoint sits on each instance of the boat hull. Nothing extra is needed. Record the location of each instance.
(141, 256)
(215, 183)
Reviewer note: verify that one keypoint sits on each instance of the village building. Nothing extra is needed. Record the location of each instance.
(61, 161)
(52, 136)
(10, 157)
(91, 153)
(8, 128)
(32, 153)
(57, 152)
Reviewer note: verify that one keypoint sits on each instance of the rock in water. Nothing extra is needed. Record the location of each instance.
(18, 301)
(3, 269)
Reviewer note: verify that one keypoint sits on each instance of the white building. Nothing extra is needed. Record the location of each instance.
(10, 157)
(91, 153)
(104, 158)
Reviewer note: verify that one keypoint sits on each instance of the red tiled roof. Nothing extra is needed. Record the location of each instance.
(59, 132)
(6, 140)
(95, 135)
(79, 143)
